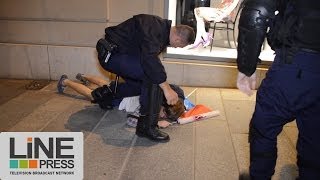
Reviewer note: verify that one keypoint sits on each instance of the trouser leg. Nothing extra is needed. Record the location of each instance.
(151, 99)
(308, 121)
(129, 68)
(128, 88)
(289, 91)
(308, 146)
(272, 112)
(263, 132)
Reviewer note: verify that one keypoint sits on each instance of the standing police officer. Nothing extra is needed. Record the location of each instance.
(291, 89)
(135, 45)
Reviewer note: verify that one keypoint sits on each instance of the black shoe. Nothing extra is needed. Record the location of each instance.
(60, 86)
(80, 77)
(153, 134)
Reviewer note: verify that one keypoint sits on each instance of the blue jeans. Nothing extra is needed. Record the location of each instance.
(289, 91)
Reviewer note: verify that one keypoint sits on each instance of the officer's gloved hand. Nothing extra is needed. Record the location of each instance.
(246, 84)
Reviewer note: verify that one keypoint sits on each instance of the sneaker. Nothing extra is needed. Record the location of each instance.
(80, 77)
(60, 85)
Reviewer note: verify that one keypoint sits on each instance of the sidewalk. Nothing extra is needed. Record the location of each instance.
(213, 149)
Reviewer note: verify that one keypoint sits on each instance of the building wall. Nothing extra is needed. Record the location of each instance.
(42, 39)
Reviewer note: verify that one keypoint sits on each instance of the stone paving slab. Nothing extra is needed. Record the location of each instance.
(211, 98)
(292, 134)
(239, 113)
(14, 110)
(162, 161)
(79, 116)
(43, 115)
(107, 147)
(188, 90)
(241, 146)
(104, 160)
(214, 154)
(51, 87)
(84, 118)
(286, 168)
(114, 127)
(11, 88)
(235, 94)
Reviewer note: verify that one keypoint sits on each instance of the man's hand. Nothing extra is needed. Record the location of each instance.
(246, 84)
(164, 124)
(169, 93)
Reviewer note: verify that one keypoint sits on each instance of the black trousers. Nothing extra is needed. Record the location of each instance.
(289, 92)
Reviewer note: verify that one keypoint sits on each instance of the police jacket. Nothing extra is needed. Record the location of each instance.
(307, 35)
(145, 36)
(296, 27)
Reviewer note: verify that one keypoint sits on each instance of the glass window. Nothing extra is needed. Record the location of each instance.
(216, 24)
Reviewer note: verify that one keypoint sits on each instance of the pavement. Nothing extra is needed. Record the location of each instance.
(213, 149)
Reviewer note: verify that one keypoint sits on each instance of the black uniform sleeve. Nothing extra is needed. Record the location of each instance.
(254, 21)
(150, 61)
(152, 33)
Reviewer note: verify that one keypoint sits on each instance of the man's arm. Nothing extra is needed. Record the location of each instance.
(152, 33)
(151, 63)
(155, 71)
(169, 93)
(254, 21)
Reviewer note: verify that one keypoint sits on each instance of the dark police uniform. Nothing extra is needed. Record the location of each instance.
(291, 89)
(140, 40)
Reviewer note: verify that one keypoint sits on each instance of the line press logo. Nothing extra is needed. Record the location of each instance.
(38, 155)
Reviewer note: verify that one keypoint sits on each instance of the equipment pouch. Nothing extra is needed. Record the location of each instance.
(105, 49)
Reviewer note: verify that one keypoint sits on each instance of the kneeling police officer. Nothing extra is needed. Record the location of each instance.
(131, 51)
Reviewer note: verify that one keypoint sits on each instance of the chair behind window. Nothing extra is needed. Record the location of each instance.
(228, 23)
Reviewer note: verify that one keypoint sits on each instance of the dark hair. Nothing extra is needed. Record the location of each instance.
(173, 112)
(186, 33)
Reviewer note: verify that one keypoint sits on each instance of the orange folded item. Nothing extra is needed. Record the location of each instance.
(197, 113)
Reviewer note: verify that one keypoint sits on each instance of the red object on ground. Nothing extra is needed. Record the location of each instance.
(199, 112)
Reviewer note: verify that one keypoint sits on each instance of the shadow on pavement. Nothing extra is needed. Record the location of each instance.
(110, 125)
(74, 96)
(288, 172)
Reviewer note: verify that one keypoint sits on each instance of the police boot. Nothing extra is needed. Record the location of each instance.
(148, 124)
(152, 132)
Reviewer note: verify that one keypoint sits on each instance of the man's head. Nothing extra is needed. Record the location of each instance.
(181, 36)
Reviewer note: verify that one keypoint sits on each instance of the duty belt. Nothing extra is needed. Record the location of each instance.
(105, 49)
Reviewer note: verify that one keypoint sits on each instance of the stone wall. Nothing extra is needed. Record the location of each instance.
(42, 39)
